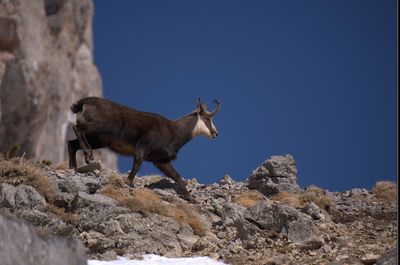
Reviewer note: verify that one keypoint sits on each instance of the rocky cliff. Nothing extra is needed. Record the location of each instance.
(22, 244)
(230, 221)
(45, 65)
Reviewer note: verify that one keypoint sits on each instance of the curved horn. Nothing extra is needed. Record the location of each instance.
(217, 108)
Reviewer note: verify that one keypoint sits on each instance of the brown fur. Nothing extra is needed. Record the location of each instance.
(143, 135)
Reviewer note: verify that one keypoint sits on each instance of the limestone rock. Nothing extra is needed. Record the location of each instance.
(21, 244)
(46, 64)
(286, 220)
(304, 233)
(20, 196)
(277, 174)
(389, 258)
(314, 211)
(110, 218)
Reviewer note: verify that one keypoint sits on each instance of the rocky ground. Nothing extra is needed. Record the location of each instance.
(275, 222)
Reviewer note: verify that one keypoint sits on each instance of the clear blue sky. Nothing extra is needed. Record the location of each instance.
(316, 79)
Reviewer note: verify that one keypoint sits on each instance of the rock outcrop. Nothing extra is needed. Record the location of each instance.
(228, 222)
(277, 174)
(45, 65)
(21, 244)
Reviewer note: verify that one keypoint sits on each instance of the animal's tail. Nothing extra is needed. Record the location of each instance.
(76, 107)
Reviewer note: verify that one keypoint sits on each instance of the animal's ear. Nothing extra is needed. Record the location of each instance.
(199, 108)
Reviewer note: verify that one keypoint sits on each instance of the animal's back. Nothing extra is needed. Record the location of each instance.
(103, 116)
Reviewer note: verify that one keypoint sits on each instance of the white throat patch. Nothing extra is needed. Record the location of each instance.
(200, 128)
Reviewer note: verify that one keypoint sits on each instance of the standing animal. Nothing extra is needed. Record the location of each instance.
(143, 135)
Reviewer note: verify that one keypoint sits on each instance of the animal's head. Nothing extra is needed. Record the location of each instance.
(204, 125)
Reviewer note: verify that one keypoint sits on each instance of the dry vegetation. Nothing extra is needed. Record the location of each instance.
(312, 194)
(17, 171)
(385, 191)
(146, 201)
(72, 218)
(287, 198)
(248, 198)
(319, 197)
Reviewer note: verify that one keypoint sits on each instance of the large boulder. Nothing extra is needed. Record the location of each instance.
(21, 196)
(21, 244)
(46, 64)
(275, 175)
(286, 220)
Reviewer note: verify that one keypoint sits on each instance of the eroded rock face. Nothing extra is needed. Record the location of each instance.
(228, 222)
(297, 227)
(21, 244)
(20, 196)
(45, 65)
(277, 174)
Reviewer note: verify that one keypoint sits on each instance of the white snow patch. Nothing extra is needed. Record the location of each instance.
(158, 260)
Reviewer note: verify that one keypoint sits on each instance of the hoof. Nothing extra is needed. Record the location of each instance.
(130, 184)
(91, 167)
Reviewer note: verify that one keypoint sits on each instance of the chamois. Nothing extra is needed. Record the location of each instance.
(143, 135)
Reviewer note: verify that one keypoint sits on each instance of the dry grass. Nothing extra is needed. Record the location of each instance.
(287, 198)
(115, 189)
(72, 218)
(18, 171)
(146, 201)
(248, 198)
(62, 166)
(319, 197)
(143, 200)
(385, 191)
(313, 194)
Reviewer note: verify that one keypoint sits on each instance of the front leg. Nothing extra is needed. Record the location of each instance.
(169, 170)
(137, 163)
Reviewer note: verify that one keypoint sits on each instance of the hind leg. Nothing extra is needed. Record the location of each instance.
(73, 147)
(84, 144)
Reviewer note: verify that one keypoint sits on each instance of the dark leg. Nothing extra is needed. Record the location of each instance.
(137, 163)
(168, 170)
(83, 142)
(73, 147)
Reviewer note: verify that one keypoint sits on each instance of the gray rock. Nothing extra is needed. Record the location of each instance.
(134, 233)
(79, 183)
(288, 221)
(389, 258)
(227, 180)
(275, 175)
(281, 166)
(304, 233)
(271, 216)
(49, 65)
(108, 255)
(359, 192)
(20, 196)
(229, 212)
(20, 244)
(315, 212)
(37, 218)
(86, 200)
